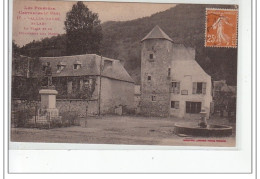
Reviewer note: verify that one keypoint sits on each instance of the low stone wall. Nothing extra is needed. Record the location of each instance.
(64, 105)
(78, 106)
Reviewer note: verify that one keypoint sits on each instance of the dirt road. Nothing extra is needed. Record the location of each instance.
(122, 130)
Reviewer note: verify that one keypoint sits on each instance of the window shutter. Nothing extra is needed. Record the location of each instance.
(178, 87)
(172, 104)
(177, 104)
(204, 88)
(194, 88)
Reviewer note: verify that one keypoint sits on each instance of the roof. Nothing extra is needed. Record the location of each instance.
(62, 64)
(157, 33)
(116, 71)
(90, 66)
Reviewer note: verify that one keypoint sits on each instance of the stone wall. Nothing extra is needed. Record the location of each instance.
(64, 105)
(157, 68)
(114, 93)
(78, 106)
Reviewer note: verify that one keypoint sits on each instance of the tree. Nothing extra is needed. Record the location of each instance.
(15, 49)
(83, 30)
(26, 82)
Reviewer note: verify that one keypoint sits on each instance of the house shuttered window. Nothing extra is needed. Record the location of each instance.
(199, 88)
(175, 87)
(204, 88)
(175, 104)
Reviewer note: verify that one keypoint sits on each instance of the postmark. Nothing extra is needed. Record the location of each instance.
(221, 28)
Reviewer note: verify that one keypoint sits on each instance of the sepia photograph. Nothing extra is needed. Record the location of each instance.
(124, 73)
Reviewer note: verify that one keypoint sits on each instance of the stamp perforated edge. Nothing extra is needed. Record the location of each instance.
(205, 37)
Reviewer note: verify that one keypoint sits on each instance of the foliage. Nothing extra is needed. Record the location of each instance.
(21, 118)
(15, 49)
(47, 47)
(83, 30)
(27, 85)
(224, 101)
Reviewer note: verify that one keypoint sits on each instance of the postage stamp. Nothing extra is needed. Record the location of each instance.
(221, 28)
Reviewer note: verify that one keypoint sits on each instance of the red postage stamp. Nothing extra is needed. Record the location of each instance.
(221, 28)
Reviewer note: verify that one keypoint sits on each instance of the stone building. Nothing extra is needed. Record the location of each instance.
(98, 83)
(172, 82)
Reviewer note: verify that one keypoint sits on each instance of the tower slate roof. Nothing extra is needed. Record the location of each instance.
(157, 33)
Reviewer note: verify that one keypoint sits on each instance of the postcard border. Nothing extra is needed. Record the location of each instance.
(8, 92)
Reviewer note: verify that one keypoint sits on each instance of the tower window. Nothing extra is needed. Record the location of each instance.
(169, 72)
(153, 98)
(151, 56)
(149, 78)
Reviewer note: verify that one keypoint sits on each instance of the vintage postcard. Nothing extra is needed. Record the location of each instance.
(124, 73)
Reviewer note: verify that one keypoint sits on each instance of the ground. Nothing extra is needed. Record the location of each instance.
(134, 130)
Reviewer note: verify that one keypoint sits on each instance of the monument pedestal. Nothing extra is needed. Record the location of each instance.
(203, 120)
(48, 111)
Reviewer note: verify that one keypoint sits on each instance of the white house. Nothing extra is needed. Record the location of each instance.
(190, 85)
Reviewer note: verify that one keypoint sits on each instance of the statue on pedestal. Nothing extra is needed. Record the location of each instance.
(48, 74)
(48, 112)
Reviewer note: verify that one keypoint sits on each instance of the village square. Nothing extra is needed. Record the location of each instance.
(90, 98)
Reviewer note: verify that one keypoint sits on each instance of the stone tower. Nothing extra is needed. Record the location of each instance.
(156, 55)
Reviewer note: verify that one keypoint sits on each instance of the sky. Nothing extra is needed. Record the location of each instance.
(31, 17)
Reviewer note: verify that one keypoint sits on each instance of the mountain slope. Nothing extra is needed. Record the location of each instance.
(185, 24)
